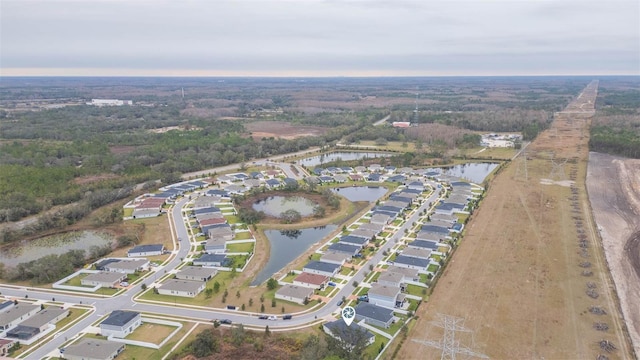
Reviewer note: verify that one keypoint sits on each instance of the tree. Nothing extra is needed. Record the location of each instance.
(216, 287)
(262, 298)
(290, 216)
(238, 294)
(261, 308)
(273, 302)
(243, 307)
(143, 286)
(267, 332)
(238, 335)
(319, 211)
(205, 344)
(250, 302)
(282, 309)
(349, 342)
(208, 293)
(272, 284)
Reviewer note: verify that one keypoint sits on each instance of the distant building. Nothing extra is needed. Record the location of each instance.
(109, 102)
(146, 250)
(401, 124)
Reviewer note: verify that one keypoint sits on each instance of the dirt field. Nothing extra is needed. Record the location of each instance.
(280, 129)
(613, 185)
(517, 278)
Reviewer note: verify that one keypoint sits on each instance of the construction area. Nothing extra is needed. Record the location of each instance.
(529, 280)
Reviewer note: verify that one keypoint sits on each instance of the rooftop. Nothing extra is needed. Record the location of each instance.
(120, 318)
(299, 292)
(322, 266)
(375, 312)
(182, 285)
(414, 261)
(44, 317)
(104, 276)
(93, 349)
(384, 290)
(147, 248)
(197, 271)
(16, 312)
(314, 279)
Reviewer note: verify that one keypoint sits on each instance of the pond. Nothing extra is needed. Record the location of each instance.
(340, 155)
(361, 193)
(474, 172)
(276, 205)
(288, 245)
(55, 244)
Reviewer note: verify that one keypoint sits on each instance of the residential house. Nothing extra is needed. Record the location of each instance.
(215, 246)
(218, 192)
(203, 202)
(294, 293)
(103, 279)
(412, 262)
(127, 266)
(387, 296)
(314, 281)
(290, 182)
(363, 233)
(397, 203)
(416, 185)
(196, 273)
(236, 189)
(340, 178)
(376, 228)
(335, 257)
(252, 183)
(184, 288)
(374, 177)
(356, 177)
(430, 227)
(42, 319)
(390, 169)
(204, 217)
(423, 244)
(22, 332)
(273, 184)
(347, 335)
(256, 175)
(322, 268)
(409, 274)
(405, 171)
(431, 236)
(391, 279)
(345, 248)
(417, 253)
(449, 208)
(358, 241)
(5, 346)
(120, 323)
(446, 218)
(207, 210)
(360, 169)
(219, 260)
(93, 349)
(17, 314)
(396, 178)
(326, 179)
(213, 221)
(375, 167)
(218, 231)
(374, 315)
(146, 250)
(381, 219)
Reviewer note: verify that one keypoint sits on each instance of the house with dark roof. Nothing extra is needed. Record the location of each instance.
(290, 181)
(93, 349)
(374, 315)
(348, 335)
(435, 229)
(183, 288)
(272, 184)
(423, 244)
(22, 332)
(374, 177)
(217, 192)
(461, 184)
(390, 169)
(354, 240)
(322, 268)
(412, 262)
(396, 178)
(326, 179)
(215, 246)
(352, 250)
(146, 250)
(391, 209)
(256, 175)
(335, 257)
(207, 210)
(218, 260)
(120, 323)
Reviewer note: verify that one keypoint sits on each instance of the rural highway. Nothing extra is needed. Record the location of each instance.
(103, 306)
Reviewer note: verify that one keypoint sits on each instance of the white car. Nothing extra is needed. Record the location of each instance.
(124, 284)
(272, 318)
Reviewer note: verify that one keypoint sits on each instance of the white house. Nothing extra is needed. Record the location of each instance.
(17, 314)
(127, 266)
(386, 296)
(93, 349)
(120, 323)
(103, 279)
(294, 293)
(196, 273)
(146, 250)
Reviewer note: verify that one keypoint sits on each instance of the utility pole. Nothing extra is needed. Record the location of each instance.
(449, 345)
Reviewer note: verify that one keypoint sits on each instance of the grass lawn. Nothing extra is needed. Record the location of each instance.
(222, 277)
(462, 217)
(413, 305)
(443, 249)
(384, 234)
(436, 258)
(375, 276)
(315, 257)
(245, 235)
(433, 268)
(361, 291)
(415, 290)
(393, 328)
(232, 219)
(397, 222)
(127, 212)
(372, 350)
(201, 238)
(424, 278)
(76, 281)
(364, 221)
(241, 247)
(289, 278)
(153, 333)
(346, 270)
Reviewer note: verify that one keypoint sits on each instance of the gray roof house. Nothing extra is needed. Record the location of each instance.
(294, 293)
(381, 219)
(223, 232)
(93, 349)
(374, 315)
(409, 274)
(423, 244)
(372, 227)
(184, 288)
(335, 257)
(431, 236)
(391, 279)
(120, 323)
(322, 268)
(146, 250)
(417, 253)
(345, 248)
(215, 246)
(43, 318)
(127, 266)
(212, 260)
(196, 273)
(16, 315)
(368, 234)
(103, 279)
(354, 240)
(386, 296)
(412, 262)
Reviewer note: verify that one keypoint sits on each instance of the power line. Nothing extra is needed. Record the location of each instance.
(449, 345)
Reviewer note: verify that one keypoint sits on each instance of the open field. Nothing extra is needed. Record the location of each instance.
(517, 282)
(613, 191)
(281, 129)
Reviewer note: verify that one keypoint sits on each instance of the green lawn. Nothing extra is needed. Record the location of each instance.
(372, 350)
(315, 257)
(76, 281)
(222, 277)
(246, 235)
(433, 268)
(127, 212)
(384, 234)
(346, 270)
(415, 290)
(241, 247)
(393, 328)
(232, 219)
(397, 222)
(289, 278)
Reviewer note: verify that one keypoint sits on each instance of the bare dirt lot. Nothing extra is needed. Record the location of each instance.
(530, 266)
(613, 185)
(284, 130)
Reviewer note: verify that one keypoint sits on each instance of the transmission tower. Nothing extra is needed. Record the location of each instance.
(448, 344)
(522, 166)
(415, 112)
(557, 169)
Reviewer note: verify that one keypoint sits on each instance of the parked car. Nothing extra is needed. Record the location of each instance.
(124, 284)
(225, 321)
(331, 283)
(263, 317)
(273, 318)
(340, 302)
(287, 317)
(231, 307)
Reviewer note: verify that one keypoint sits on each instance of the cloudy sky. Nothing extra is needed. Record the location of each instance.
(319, 38)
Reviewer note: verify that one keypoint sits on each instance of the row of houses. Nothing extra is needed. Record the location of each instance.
(188, 282)
(150, 205)
(22, 322)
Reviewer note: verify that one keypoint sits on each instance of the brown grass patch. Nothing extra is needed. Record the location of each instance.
(281, 129)
(94, 178)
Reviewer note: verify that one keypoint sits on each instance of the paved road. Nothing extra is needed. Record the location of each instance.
(103, 306)
(381, 121)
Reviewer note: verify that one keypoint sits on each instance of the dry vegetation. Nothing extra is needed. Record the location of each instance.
(520, 282)
(281, 129)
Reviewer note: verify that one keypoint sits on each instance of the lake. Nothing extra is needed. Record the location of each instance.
(340, 155)
(287, 246)
(474, 172)
(276, 205)
(55, 244)
(361, 193)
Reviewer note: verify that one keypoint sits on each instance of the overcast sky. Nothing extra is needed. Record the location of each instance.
(319, 38)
